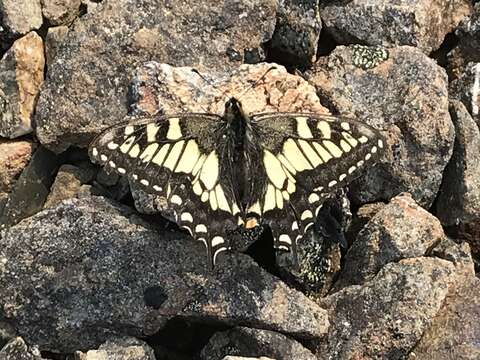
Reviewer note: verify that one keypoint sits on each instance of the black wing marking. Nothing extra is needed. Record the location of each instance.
(302, 158)
(180, 157)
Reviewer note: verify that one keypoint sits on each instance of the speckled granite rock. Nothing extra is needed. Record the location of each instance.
(98, 270)
(386, 317)
(21, 76)
(405, 93)
(400, 230)
(297, 32)
(86, 85)
(419, 23)
(119, 348)
(53, 40)
(16, 349)
(252, 342)
(18, 17)
(466, 88)
(14, 156)
(458, 204)
(58, 12)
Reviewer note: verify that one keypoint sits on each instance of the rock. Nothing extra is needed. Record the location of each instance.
(7, 332)
(297, 32)
(86, 85)
(245, 358)
(404, 93)
(360, 218)
(16, 349)
(252, 342)
(59, 12)
(400, 230)
(161, 88)
(418, 23)
(98, 270)
(466, 88)
(458, 203)
(455, 330)
(31, 189)
(21, 76)
(19, 17)
(14, 156)
(459, 254)
(386, 317)
(53, 40)
(67, 183)
(119, 348)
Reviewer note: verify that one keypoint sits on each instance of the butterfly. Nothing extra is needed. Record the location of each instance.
(223, 172)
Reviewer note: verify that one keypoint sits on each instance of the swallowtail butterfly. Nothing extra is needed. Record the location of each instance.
(221, 172)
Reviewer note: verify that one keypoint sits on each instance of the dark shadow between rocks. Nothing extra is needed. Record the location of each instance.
(326, 43)
(440, 55)
(263, 253)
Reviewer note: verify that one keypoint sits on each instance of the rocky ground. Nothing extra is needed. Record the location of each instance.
(90, 265)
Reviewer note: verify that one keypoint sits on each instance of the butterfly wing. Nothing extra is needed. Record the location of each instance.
(301, 159)
(183, 158)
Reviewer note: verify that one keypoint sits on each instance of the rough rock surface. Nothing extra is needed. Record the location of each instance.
(67, 183)
(246, 358)
(59, 12)
(419, 23)
(21, 76)
(86, 85)
(406, 96)
(466, 88)
(54, 38)
(297, 31)
(252, 342)
(400, 230)
(459, 198)
(14, 156)
(386, 317)
(97, 271)
(19, 17)
(119, 348)
(16, 349)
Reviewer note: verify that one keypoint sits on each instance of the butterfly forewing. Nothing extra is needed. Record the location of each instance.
(304, 158)
(182, 158)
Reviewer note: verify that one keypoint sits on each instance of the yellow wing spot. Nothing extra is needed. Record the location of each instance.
(295, 156)
(313, 198)
(173, 156)
(158, 159)
(112, 145)
(279, 199)
(325, 129)
(189, 157)
(255, 208)
(175, 199)
(332, 183)
(350, 139)
(197, 188)
(345, 126)
(303, 129)
(363, 139)
(286, 164)
(235, 209)
(342, 177)
(286, 195)
(324, 154)
(174, 132)
(209, 173)
(204, 197)
(307, 214)
(285, 239)
(291, 187)
(134, 151)
(152, 130)
(274, 169)
(221, 199)
(311, 154)
(127, 144)
(149, 152)
(199, 164)
(334, 149)
(345, 146)
(201, 228)
(213, 200)
(129, 129)
(269, 202)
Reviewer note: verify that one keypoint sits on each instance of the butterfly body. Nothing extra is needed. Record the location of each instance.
(221, 172)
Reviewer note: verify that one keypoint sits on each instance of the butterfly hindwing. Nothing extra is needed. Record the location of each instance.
(181, 158)
(304, 157)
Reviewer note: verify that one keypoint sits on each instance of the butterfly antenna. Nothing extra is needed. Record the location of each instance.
(260, 79)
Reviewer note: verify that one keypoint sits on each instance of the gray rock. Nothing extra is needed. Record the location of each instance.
(16, 349)
(119, 348)
(59, 12)
(14, 156)
(297, 32)
(253, 343)
(458, 203)
(67, 183)
(19, 17)
(405, 94)
(86, 85)
(400, 230)
(466, 88)
(97, 270)
(54, 38)
(386, 317)
(459, 254)
(21, 76)
(418, 23)
(31, 189)
(455, 330)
